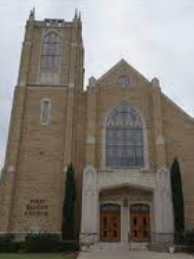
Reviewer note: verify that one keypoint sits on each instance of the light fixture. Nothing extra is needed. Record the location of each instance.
(125, 202)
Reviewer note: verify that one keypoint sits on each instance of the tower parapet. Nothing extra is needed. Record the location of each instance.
(32, 14)
(52, 52)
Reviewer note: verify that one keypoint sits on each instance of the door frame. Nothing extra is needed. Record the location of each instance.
(148, 205)
(118, 208)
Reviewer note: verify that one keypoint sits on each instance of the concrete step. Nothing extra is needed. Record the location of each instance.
(139, 246)
(112, 246)
(159, 247)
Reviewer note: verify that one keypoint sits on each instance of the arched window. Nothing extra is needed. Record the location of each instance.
(51, 52)
(124, 138)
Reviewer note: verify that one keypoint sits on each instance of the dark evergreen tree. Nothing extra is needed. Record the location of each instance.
(177, 197)
(68, 205)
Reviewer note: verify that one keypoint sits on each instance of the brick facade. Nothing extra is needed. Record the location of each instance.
(37, 155)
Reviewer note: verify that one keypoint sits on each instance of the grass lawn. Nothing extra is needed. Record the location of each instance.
(36, 256)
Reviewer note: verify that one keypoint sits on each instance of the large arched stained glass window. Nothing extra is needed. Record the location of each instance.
(124, 138)
(51, 51)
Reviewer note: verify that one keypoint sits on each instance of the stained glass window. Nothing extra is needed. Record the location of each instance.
(124, 138)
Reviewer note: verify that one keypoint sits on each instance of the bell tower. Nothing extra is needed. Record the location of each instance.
(46, 131)
(52, 53)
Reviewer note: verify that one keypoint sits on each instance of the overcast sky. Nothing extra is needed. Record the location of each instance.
(154, 36)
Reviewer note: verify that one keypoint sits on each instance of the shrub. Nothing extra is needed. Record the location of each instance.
(41, 242)
(184, 241)
(177, 197)
(68, 220)
(8, 243)
(65, 246)
(189, 237)
(36, 243)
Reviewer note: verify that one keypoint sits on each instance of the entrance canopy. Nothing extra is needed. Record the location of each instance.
(125, 188)
(126, 191)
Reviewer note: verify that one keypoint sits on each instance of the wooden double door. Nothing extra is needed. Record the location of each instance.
(140, 222)
(110, 223)
(110, 226)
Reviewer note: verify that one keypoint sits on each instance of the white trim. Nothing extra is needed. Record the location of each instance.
(42, 101)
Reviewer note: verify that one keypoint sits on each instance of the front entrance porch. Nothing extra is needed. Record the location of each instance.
(119, 206)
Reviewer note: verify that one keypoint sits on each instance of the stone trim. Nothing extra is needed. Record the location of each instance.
(42, 86)
(41, 111)
(158, 183)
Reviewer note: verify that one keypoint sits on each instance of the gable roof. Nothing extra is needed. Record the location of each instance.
(121, 62)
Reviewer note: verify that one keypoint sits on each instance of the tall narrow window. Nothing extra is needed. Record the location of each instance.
(124, 138)
(45, 111)
(51, 52)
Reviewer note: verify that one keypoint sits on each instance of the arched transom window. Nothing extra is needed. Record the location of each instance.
(124, 138)
(51, 51)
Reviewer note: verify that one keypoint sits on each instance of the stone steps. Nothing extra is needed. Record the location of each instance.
(112, 246)
(138, 246)
(120, 246)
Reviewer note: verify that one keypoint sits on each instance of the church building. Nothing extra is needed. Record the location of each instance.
(121, 133)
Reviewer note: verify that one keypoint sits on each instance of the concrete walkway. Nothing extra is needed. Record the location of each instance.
(132, 255)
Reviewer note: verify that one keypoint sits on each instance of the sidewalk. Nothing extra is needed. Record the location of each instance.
(132, 255)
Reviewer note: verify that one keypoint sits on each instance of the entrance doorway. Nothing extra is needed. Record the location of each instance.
(110, 223)
(140, 222)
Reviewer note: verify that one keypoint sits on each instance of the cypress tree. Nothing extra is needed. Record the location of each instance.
(177, 197)
(68, 205)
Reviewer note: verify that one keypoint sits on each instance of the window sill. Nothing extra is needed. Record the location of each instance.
(113, 169)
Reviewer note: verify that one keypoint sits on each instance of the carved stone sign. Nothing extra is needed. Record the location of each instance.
(37, 207)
